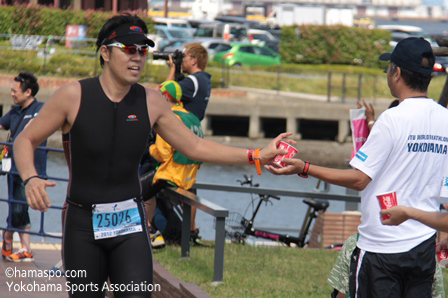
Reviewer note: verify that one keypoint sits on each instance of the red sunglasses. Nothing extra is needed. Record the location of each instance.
(132, 49)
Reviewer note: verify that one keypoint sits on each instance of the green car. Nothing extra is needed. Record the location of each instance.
(238, 54)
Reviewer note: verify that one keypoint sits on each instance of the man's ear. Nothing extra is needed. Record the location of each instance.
(105, 53)
(28, 92)
(195, 61)
(397, 73)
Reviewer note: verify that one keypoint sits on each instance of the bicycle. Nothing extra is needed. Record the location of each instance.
(238, 228)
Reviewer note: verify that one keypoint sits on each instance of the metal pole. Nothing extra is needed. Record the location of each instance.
(45, 61)
(351, 206)
(359, 85)
(223, 80)
(228, 74)
(344, 76)
(329, 87)
(219, 249)
(185, 238)
(278, 78)
(375, 79)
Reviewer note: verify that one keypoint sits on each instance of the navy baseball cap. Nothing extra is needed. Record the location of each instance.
(409, 54)
(128, 34)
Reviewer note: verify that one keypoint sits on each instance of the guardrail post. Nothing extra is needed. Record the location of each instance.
(278, 78)
(343, 91)
(223, 80)
(228, 74)
(359, 85)
(185, 239)
(45, 61)
(219, 249)
(375, 79)
(329, 87)
(351, 206)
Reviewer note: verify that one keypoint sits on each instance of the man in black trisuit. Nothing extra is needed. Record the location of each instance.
(108, 119)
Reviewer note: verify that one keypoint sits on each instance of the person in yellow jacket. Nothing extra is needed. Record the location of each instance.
(175, 168)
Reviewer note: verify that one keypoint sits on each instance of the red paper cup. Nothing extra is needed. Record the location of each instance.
(387, 200)
(442, 257)
(291, 152)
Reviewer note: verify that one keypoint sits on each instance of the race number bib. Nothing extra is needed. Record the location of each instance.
(115, 219)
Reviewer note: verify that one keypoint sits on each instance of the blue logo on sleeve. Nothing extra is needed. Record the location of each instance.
(361, 155)
(445, 181)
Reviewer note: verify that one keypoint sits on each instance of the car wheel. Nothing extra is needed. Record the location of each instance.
(236, 65)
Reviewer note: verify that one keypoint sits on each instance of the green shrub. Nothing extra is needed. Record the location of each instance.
(41, 20)
(312, 44)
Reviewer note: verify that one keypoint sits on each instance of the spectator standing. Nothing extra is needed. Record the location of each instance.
(175, 169)
(23, 92)
(196, 87)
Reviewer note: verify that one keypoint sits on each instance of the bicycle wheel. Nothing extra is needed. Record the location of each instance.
(234, 228)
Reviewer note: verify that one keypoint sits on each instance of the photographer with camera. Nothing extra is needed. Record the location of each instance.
(196, 87)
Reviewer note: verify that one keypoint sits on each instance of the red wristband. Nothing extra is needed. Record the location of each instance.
(306, 167)
(250, 156)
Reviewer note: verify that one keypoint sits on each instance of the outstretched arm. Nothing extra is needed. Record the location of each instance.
(354, 179)
(186, 142)
(399, 214)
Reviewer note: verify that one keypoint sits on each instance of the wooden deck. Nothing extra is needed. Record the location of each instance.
(46, 255)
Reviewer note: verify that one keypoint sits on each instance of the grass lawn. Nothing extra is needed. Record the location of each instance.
(257, 271)
(309, 79)
(312, 79)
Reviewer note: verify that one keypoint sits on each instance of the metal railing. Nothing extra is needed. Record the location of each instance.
(189, 199)
(10, 200)
(339, 86)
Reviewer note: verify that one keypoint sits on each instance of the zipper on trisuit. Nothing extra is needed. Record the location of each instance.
(110, 170)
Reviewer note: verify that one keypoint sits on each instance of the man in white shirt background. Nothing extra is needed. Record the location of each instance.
(406, 153)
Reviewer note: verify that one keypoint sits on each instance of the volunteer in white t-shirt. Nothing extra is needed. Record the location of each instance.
(406, 152)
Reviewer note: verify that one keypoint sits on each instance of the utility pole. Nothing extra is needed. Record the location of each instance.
(165, 8)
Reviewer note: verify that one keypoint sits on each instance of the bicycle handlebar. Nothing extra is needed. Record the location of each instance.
(274, 197)
(267, 197)
(247, 180)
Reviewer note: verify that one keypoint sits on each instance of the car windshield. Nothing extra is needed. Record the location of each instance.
(261, 37)
(179, 25)
(179, 34)
(238, 32)
(204, 32)
(223, 48)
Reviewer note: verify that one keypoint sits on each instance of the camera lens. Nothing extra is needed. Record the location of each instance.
(161, 56)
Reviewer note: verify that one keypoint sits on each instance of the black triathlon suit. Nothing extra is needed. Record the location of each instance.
(107, 141)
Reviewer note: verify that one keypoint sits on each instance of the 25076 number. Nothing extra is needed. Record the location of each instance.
(113, 219)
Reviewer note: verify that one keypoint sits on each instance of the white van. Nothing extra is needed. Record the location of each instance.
(399, 32)
(226, 32)
(178, 23)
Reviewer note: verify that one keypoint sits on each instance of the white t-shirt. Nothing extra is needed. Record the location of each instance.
(406, 152)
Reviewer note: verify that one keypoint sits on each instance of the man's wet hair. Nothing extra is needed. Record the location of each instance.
(414, 80)
(114, 22)
(27, 81)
